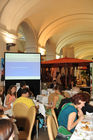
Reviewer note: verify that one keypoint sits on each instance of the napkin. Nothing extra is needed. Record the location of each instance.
(90, 114)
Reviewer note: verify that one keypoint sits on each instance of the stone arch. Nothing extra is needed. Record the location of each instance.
(27, 42)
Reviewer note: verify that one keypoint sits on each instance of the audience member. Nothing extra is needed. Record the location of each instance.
(22, 86)
(53, 84)
(11, 95)
(9, 99)
(57, 97)
(86, 108)
(68, 114)
(24, 98)
(2, 108)
(6, 129)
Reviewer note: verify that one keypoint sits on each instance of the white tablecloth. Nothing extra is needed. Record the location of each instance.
(43, 99)
(80, 133)
(41, 108)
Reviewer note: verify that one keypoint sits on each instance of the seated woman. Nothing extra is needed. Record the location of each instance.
(6, 129)
(69, 112)
(11, 95)
(58, 97)
(56, 100)
(1, 101)
(10, 98)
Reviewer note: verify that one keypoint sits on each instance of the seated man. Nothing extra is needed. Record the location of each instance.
(22, 86)
(24, 98)
(53, 84)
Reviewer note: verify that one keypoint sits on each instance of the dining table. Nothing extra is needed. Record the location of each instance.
(84, 129)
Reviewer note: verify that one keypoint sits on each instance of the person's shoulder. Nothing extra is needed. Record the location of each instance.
(29, 99)
(19, 89)
(8, 95)
(72, 108)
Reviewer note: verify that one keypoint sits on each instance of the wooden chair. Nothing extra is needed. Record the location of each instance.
(51, 127)
(20, 112)
(54, 115)
(20, 109)
(66, 94)
(50, 98)
(26, 133)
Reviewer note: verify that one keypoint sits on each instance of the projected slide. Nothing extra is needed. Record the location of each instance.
(22, 66)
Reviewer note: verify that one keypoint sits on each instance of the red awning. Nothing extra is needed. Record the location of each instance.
(66, 60)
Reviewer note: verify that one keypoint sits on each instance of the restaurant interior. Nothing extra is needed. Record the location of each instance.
(46, 56)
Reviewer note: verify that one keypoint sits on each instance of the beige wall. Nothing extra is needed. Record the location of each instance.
(68, 52)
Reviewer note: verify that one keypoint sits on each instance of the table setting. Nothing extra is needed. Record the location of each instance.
(84, 129)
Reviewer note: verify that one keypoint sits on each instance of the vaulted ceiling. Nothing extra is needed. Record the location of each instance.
(66, 23)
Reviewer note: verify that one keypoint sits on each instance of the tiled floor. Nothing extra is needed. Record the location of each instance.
(43, 135)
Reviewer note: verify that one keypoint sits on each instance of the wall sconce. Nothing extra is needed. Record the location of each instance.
(8, 45)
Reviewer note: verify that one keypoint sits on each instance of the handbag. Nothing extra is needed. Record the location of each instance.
(63, 133)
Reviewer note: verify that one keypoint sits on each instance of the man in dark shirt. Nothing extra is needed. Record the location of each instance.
(22, 86)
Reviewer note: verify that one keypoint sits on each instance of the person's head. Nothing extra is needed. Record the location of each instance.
(23, 84)
(12, 90)
(25, 92)
(79, 99)
(6, 129)
(54, 82)
(86, 95)
(75, 90)
(58, 89)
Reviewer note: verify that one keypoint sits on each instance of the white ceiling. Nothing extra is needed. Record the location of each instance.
(63, 22)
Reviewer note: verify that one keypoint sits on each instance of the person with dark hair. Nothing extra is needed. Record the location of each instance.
(6, 129)
(24, 98)
(69, 112)
(9, 99)
(22, 86)
(86, 108)
(53, 84)
(2, 108)
(11, 95)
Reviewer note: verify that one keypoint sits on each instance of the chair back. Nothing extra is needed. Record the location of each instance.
(66, 94)
(20, 110)
(55, 117)
(51, 98)
(51, 127)
(30, 121)
(25, 119)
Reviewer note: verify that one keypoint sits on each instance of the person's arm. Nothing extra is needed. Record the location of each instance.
(4, 108)
(7, 102)
(7, 108)
(71, 120)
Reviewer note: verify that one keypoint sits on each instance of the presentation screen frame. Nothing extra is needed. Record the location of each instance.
(23, 66)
